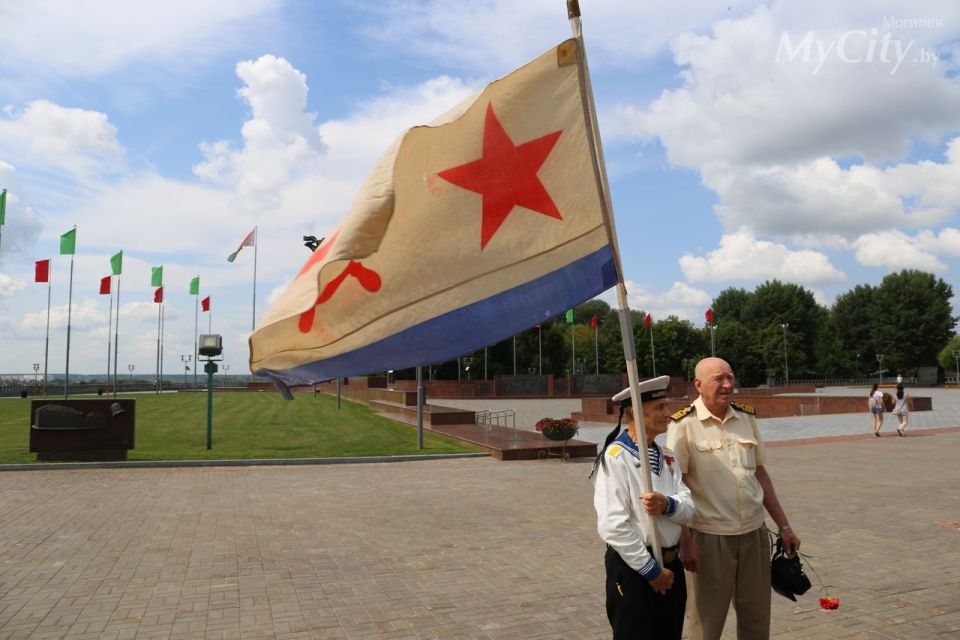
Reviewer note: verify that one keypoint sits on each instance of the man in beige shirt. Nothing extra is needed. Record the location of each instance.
(725, 549)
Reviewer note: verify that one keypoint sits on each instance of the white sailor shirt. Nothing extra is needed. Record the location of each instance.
(621, 520)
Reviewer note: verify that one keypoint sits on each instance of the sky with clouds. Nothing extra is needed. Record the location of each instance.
(817, 143)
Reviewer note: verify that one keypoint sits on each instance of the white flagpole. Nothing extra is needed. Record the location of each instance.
(163, 322)
(157, 370)
(626, 328)
(596, 346)
(116, 339)
(256, 244)
(653, 354)
(109, 326)
(196, 324)
(66, 380)
(46, 347)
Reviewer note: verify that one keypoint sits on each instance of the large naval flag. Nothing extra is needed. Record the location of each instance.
(470, 229)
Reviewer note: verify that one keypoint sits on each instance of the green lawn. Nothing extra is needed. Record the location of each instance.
(245, 425)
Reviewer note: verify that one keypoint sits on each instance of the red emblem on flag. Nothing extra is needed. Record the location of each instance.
(506, 176)
(368, 279)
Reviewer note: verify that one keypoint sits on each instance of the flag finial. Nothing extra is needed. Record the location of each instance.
(573, 9)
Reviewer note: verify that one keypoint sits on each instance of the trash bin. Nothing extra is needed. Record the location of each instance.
(82, 430)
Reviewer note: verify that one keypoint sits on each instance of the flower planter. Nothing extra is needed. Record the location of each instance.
(559, 434)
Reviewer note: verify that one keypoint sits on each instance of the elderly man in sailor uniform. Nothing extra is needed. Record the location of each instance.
(643, 598)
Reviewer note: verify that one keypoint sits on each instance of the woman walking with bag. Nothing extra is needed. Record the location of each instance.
(875, 404)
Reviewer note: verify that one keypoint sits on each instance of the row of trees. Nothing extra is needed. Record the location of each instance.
(907, 319)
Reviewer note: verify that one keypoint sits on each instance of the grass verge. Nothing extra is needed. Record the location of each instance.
(173, 426)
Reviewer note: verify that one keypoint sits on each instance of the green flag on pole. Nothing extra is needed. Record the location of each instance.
(156, 277)
(195, 286)
(570, 316)
(116, 263)
(68, 243)
(3, 206)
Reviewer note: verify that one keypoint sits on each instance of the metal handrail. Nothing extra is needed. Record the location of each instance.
(504, 418)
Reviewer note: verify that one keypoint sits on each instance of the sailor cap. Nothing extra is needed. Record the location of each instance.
(651, 389)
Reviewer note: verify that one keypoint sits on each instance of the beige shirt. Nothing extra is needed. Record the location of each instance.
(719, 458)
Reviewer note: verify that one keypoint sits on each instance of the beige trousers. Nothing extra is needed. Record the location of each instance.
(732, 568)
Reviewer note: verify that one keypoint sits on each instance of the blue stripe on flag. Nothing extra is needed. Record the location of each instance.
(468, 328)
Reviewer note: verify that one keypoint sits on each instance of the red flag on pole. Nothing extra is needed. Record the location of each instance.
(709, 316)
(158, 295)
(205, 304)
(42, 271)
(593, 321)
(647, 321)
(105, 285)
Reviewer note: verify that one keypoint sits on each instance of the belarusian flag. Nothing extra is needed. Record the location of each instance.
(156, 277)
(249, 241)
(116, 263)
(105, 285)
(68, 243)
(3, 206)
(195, 286)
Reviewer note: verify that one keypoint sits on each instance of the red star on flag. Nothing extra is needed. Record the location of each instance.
(506, 176)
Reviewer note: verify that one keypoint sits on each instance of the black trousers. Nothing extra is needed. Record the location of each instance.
(635, 610)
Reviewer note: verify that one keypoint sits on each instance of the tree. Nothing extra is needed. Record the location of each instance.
(946, 359)
(729, 304)
(852, 318)
(738, 345)
(912, 318)
(674, 340)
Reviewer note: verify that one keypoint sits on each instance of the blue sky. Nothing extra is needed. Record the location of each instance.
(810, 142)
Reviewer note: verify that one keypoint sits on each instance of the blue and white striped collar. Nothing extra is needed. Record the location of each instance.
(654, 453)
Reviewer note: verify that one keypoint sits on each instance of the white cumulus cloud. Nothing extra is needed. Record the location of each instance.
(741, 256)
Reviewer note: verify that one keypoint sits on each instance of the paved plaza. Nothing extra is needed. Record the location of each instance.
(459, 548)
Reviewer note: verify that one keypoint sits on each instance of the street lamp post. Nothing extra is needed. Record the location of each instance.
(713, 333)
(36, 372)
(956, 359)
(185, 359)
(786, 367)
(130, 369)
(467, 362)
(880, 366)
(226, 368)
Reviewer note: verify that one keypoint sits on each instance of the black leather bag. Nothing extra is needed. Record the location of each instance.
(786, 574)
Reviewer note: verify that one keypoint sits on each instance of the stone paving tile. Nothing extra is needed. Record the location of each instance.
(470, 548)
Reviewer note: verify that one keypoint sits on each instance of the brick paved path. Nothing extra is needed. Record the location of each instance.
(468, 549)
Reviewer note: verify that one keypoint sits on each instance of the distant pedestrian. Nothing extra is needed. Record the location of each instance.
(875, 405)
(901, 410)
